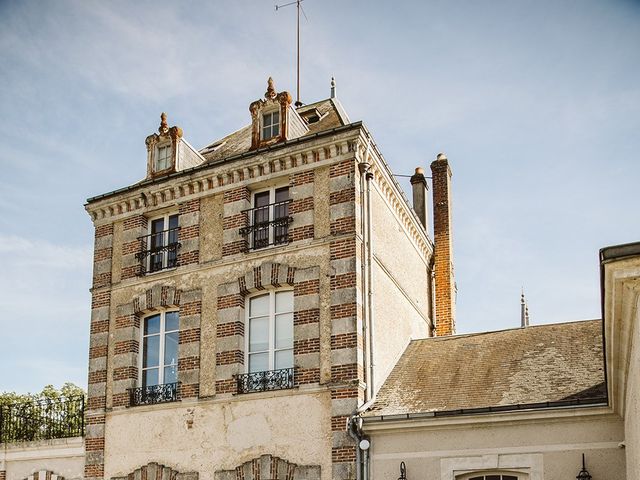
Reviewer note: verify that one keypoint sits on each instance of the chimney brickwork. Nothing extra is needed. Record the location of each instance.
(443, 254)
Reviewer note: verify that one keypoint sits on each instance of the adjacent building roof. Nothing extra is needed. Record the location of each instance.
(532, 365)
(319, 116)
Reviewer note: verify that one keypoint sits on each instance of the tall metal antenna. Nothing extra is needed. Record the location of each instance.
(300, 9)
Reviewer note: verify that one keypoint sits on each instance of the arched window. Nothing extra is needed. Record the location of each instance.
(493, 476)
(269, 338)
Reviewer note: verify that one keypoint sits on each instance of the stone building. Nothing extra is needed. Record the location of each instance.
(272, 307)
(248, 297)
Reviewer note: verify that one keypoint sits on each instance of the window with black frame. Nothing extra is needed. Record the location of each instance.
(163, 243)
(270, 218)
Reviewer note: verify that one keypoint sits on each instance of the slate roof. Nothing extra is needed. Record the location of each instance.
(542, 363)
(331, 115)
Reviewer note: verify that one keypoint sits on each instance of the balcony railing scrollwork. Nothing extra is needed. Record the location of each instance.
(265, 381)
(158, 251)
(267, 225)
(152, 394)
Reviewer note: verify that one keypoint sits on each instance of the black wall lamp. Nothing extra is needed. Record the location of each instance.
(403, 471)
(584, 474)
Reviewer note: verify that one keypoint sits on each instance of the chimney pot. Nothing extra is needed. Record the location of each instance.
(419, 189)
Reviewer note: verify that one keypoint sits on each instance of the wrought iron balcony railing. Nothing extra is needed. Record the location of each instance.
(42, 420)
(268, 225)
(152, 394)
(158, 251)
(265, 381)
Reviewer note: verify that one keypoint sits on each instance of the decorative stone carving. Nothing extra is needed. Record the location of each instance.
(155, 471)
(281, 101)
(174, 134)
(268, 467)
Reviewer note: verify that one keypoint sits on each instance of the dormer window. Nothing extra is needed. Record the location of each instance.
(163, 158)
(270, 125)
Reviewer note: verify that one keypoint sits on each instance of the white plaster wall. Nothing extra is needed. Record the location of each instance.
(64, 457)
(401, 289)
(632, 404)
(220, 435)
(545, 449)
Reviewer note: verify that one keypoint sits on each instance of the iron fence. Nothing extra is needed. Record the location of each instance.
(265, 381)
(42, 419)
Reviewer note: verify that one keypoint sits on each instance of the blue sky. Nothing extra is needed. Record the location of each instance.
(536, 103)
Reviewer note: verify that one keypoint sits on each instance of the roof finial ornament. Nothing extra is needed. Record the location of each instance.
(524, 310)
(333, 87)
(164, 126)
(271, 90)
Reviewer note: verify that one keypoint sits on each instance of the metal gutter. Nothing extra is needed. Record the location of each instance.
(588, 402)
(608, 255)
(205, 166)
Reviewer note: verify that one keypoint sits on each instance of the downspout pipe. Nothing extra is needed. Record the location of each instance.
(354, 429)
(363, 168)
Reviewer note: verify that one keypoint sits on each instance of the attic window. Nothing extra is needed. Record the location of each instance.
(163, 158)
(312, 116)
(270, 125)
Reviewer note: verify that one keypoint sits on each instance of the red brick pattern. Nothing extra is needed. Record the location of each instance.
(302, 317)
(345, 167)
(98, 377)
(302, 178)
(189, 336)
(125, 373)
(343, 310)
(339, 423)
(309, 345)
(234, 248)
(240, 193)
(345, 373)
(443, 266)
(230, 357)
(99, 326)
(343, 454)
(100, 299)
(189, 207)
(306, 288)
(229, 329)
(192, 308)
(343, 226)
(344, 340)
(104, 230)
(188, 363)
(230, 301)
(137, 221)
(301, 205)
(346, 280)
(342, 196)
(343, 248)
(301, 233)
(305, 376)
(238, 220)
(226, 386)
(126, 346)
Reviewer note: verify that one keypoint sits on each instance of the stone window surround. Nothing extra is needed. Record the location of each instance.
(530, 466)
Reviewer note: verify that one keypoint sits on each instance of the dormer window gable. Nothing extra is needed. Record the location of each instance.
(274, 120)
(168, 152)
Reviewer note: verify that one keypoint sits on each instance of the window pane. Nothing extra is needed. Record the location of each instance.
(261, 199)
(282, 194)
(258, 362)
(151, 351)
(509, 477)
(284, 302)
(267, 119)
(173, 221)
(157, 225)
(259, 334)
(171, 348)
(170, 374)
(275, 117)
(284, 331)
(284, 359)
(492, 477)
(150, 377)
(275, 130)
(152, 325)
(171, 321)
(259, 306)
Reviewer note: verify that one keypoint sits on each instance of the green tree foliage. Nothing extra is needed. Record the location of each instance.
(52, 413)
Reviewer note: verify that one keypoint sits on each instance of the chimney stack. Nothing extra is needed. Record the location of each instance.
(419, 187)
(443, 253)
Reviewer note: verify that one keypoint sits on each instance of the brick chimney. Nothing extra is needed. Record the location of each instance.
(443, 254)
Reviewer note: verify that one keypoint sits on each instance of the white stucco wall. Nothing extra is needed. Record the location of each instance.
(544, 448)
(64, 457)
(220, 435)
(632, 402)
(400, 288)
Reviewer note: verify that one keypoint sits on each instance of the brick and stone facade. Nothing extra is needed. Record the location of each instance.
(213, 427)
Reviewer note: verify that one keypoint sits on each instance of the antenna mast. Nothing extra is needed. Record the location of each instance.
(300, 9)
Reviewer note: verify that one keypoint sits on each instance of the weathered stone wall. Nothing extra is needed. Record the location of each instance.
(60, 459)
(543, 446)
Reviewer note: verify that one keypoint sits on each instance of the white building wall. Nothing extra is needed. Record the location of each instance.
(63, 457)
